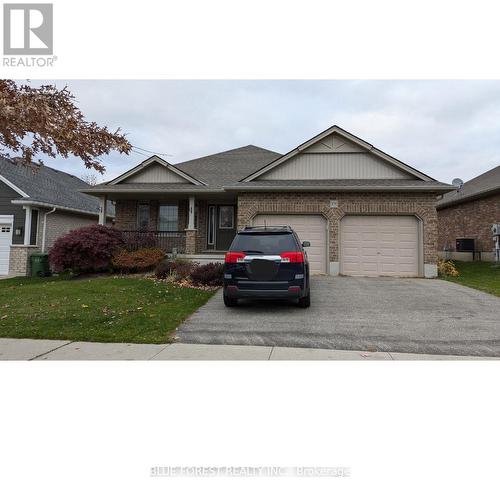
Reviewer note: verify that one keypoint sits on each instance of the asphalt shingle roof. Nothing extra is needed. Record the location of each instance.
(225, 171)
(46, 185)
(228, 167)
(481, 185)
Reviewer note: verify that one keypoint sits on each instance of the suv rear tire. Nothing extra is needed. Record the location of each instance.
(305, 301)
(230, 302)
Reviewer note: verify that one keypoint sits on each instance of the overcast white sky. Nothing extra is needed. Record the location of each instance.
(445, 128)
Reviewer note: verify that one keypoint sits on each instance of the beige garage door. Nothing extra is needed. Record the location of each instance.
(379, 246)
(309, 228)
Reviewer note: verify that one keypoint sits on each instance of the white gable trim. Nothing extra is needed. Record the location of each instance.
(360, 142)
(149, 161)
(13, 186)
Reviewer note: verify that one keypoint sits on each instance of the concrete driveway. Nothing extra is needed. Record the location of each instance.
(366, 314)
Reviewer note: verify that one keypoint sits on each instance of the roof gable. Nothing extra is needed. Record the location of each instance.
(336, 154)
(155, 170)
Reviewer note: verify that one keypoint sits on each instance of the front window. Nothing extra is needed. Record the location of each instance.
(34, 227)
(226, 217)
(168, 218)
(143, 216)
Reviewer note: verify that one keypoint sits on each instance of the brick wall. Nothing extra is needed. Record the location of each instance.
(126, 215)
(471, 219)
(126, 218)
(420, 204)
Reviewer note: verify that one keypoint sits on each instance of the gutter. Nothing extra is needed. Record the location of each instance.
(51, 205)
(45, 227)
(433, 189)
(110, 192)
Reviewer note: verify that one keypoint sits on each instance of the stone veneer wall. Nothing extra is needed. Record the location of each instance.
(420, 204)
(19, 260)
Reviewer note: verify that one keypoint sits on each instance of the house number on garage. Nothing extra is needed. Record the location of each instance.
(334, 204)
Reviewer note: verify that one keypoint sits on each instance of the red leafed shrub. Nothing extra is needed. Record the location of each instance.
(135, 240)
(138, 260)
(87, 249)
(178, 269)
(207, 274)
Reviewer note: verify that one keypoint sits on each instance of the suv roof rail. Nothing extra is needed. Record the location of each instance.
(270, 226)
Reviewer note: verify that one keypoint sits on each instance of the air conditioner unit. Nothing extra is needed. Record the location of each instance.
(495, 229)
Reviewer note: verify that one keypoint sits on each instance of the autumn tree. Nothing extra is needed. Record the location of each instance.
(46, 120)
(90, 178)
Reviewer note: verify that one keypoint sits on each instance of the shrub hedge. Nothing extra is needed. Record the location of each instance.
(207, 274)
(138, 260)
(177, 269)
(87, 249)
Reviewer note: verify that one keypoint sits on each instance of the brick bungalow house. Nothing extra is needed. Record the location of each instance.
(37, 205)
(364, 212)
(469, 212)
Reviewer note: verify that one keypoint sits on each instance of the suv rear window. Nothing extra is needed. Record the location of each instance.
(270, 243)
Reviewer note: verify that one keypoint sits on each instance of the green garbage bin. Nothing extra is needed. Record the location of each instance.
(40, 264)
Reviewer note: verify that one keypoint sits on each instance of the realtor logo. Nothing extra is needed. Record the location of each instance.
(27, 29)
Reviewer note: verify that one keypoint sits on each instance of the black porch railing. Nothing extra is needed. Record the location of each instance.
(166, 240)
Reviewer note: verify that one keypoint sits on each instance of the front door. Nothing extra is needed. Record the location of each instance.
(221, 226)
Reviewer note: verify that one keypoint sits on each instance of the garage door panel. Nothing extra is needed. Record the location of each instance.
(379, 246)
(5, 242)
(308, 228)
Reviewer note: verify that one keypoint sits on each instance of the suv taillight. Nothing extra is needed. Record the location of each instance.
(293, 257)
(234, 257)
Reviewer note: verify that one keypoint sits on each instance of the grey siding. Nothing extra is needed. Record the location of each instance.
(155, 173)
(309, 166)
(59, 223)
(7, 194)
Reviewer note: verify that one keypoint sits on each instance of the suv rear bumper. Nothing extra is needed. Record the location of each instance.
(293, 292)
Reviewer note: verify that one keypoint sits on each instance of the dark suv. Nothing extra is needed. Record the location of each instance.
(267, 262)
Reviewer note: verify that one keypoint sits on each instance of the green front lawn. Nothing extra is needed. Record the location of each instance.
(104, 309)
(484, 276)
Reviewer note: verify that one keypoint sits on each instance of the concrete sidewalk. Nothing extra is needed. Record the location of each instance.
(28, 349)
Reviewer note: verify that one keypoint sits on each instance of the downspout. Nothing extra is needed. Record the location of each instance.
(45, 227)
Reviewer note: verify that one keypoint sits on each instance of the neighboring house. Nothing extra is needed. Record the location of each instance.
(364, 212)
(37, 205)
(469, 212)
